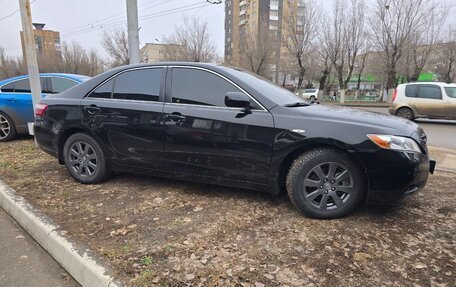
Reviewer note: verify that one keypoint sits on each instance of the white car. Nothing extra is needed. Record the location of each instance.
(310, 94)
(424, 100)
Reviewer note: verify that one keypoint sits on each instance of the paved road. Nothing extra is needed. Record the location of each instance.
(440, 133)
(23, 262)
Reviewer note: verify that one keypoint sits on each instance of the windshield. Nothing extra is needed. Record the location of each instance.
(276, 93)
(451, 92)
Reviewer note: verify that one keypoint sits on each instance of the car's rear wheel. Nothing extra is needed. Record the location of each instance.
(84, 159)
(312, 98)
(7, 128)
(325, 183)
(405, 113)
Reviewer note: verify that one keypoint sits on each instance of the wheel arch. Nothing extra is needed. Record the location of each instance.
(68, 133)
(293, 154)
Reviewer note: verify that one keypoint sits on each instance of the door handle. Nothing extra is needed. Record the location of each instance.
(176, 117)
(92, 109)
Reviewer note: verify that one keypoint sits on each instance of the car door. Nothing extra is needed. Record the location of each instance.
(125, 113)
(450, 102)
(207, 139)
(429, 100)
(19, 99)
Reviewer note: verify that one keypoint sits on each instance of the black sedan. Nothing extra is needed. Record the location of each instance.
(225, 126)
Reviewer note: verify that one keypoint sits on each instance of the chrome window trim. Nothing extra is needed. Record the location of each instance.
(226, 79)
(115, 75)
(213, 107)
(124, 100)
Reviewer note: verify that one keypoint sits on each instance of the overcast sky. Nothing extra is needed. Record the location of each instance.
(85, 20)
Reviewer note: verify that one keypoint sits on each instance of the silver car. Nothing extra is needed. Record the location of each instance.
(424, 100)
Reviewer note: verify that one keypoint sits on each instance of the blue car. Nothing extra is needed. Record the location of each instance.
(16, 108)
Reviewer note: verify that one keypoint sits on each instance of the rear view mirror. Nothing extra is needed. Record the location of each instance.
(237, 100)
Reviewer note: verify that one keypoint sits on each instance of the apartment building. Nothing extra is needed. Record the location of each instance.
(46, 41)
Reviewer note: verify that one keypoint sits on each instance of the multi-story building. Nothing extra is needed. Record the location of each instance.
(153, 53)
(259, 22)
(46, 41)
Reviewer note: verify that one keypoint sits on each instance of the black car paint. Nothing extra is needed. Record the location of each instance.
(250, 149)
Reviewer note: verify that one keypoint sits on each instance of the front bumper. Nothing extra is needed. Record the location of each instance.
(392, 174)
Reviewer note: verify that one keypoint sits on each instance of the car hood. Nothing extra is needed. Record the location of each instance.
(378, 122)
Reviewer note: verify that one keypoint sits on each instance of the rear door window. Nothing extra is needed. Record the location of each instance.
(430, 92)
(139, 85)
(451, 92)
(60, 84)
(8, 88)
(22, 86)
(411, 91)
(104, 91)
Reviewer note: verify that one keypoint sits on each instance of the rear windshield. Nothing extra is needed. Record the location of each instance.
(310, 91)
(451, 92)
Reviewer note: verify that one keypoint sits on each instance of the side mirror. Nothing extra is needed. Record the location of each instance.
(237, 100)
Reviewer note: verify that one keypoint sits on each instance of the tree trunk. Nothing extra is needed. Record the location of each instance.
(342, 95)
(302, 72)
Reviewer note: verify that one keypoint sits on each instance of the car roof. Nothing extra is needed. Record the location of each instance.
(78, 78)
(443, 84)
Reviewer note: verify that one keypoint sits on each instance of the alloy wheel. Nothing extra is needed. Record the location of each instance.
(5, 127)
(328, 186)
(83, 159)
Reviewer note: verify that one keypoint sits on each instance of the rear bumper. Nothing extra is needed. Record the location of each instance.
(392, 175)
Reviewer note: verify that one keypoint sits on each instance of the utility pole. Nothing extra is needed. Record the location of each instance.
(30, 53)
(133, 31)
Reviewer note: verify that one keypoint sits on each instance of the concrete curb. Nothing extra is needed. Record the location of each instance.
(80, 262)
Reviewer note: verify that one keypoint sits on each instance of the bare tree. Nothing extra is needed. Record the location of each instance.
(300, 32)
(257, 53)
(344, 36)
(190, 42)
(422, 42)
(446, 57)
(394, 23)
(10, 67)
(115, 43)
(77, 60)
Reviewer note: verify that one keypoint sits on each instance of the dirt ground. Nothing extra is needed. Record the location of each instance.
(157, 232)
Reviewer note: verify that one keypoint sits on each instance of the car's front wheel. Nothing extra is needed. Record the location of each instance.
(325, 183)
(84, 159)
(7, 128)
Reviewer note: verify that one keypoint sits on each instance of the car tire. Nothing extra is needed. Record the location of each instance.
(405, 113)
(84, 159)
(325, 183)
(312, 98)
(7, 128)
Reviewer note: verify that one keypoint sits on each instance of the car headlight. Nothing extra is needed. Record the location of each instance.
(395, 143)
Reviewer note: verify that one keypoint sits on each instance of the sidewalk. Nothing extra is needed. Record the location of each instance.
(358, 104)
(446, 158)
(24, 262)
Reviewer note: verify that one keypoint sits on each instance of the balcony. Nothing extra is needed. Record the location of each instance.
(242, 12)
(242, 22)
(243, 2)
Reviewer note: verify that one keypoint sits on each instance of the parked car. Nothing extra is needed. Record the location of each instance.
(219, 125)
(424, 100)
(16, 108)
(310, 94)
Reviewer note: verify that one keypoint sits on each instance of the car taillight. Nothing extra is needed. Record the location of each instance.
(394, 94)
(40, 109)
